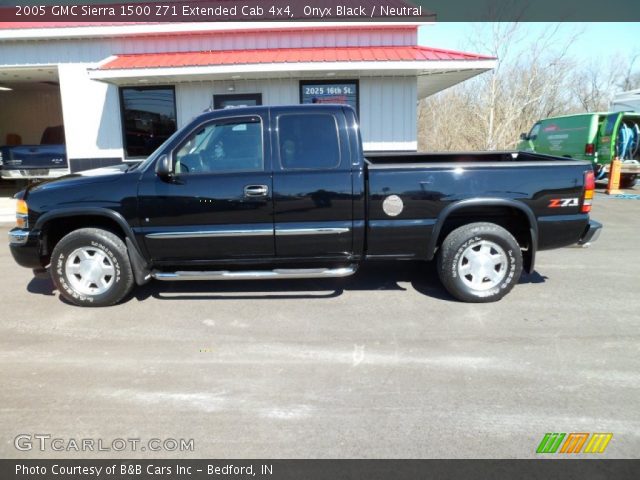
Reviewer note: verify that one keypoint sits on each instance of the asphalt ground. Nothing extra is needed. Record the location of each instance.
(382, 365)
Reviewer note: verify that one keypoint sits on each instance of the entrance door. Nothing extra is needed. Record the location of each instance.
(220, 102)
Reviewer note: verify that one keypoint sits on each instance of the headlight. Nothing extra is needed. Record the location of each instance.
(22, 214)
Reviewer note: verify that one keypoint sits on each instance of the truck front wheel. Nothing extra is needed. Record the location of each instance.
(91, 268)
(479, 262)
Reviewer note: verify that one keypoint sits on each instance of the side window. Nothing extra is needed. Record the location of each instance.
(533, 134)
(222, 147)
(611, 124)
(308, 141)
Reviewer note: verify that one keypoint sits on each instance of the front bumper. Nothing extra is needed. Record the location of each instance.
(25, 247)
(591, 233)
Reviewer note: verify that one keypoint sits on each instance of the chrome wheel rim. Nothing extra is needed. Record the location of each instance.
(89, 271)
(483, 265)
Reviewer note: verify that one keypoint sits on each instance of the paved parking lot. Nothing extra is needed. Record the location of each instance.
(385, 364)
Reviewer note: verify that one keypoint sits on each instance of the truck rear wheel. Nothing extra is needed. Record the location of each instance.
(479, 262)
(628, 180)
(91, 268)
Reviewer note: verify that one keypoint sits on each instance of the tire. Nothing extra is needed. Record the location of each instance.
(479, 262)
(628, 180)
(91, 268)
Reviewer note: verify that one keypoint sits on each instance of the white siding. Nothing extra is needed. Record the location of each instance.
(388, 111)
(92, 118)
(28, 112)
(91, 115)
(95, 50)
(388, 106)
(193, 98)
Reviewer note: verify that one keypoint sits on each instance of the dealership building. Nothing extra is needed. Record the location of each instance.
(119, 90)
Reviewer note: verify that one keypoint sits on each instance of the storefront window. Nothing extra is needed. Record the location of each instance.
(148, 118)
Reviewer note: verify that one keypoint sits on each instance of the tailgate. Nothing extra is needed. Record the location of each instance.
(37, 157)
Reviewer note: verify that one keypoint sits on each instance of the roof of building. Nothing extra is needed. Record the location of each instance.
(286, 55)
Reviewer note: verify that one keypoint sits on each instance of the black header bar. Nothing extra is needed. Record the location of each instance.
(318, 469)
(320, 11)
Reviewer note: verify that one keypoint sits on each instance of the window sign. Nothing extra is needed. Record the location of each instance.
(343, 92)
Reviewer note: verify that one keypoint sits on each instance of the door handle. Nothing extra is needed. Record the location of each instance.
(256, 191)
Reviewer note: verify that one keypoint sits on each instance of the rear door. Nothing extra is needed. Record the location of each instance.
(217, 206)
(312, 184)
(607, 140)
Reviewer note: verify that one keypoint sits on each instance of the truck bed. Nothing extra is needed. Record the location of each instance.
(425, 186)
(377, 159)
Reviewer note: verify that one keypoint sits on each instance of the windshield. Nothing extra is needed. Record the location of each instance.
(151, 158)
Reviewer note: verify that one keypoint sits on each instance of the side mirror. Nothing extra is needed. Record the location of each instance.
(163, 166)
(523, 136)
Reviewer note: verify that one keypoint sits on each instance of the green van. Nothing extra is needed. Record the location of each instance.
(596, 137)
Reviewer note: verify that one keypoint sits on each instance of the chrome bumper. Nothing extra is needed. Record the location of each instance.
(591, 233)
(18, 237)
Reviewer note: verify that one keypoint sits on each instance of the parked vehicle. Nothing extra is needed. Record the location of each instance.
(596, 137)
(286, 192)
(626, 101)
(47, 160)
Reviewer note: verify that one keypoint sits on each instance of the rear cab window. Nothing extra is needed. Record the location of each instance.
(308, 141)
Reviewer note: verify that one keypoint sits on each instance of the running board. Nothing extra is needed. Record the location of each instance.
(283, 273)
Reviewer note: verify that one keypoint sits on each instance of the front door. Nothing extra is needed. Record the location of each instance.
(217, 206)
(313, 194)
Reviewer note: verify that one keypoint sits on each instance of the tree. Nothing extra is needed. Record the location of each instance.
(532, 80)
(594, 85)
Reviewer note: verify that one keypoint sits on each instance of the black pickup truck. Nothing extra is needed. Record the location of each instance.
(287, 192)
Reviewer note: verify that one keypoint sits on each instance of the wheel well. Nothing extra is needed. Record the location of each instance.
(57, 228)
(514, 220)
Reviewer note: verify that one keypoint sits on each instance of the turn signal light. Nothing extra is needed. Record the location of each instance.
(21, 207)
(22, 214)
(589, 187)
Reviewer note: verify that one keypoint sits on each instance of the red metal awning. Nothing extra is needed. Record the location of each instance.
(287, 55)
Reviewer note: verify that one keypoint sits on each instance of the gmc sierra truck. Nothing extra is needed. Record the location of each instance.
(287, 192)
(31, 162)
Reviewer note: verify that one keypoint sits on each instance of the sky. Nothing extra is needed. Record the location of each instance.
(596, 40)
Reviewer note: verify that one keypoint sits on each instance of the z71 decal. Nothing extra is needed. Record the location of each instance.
(564, 202)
